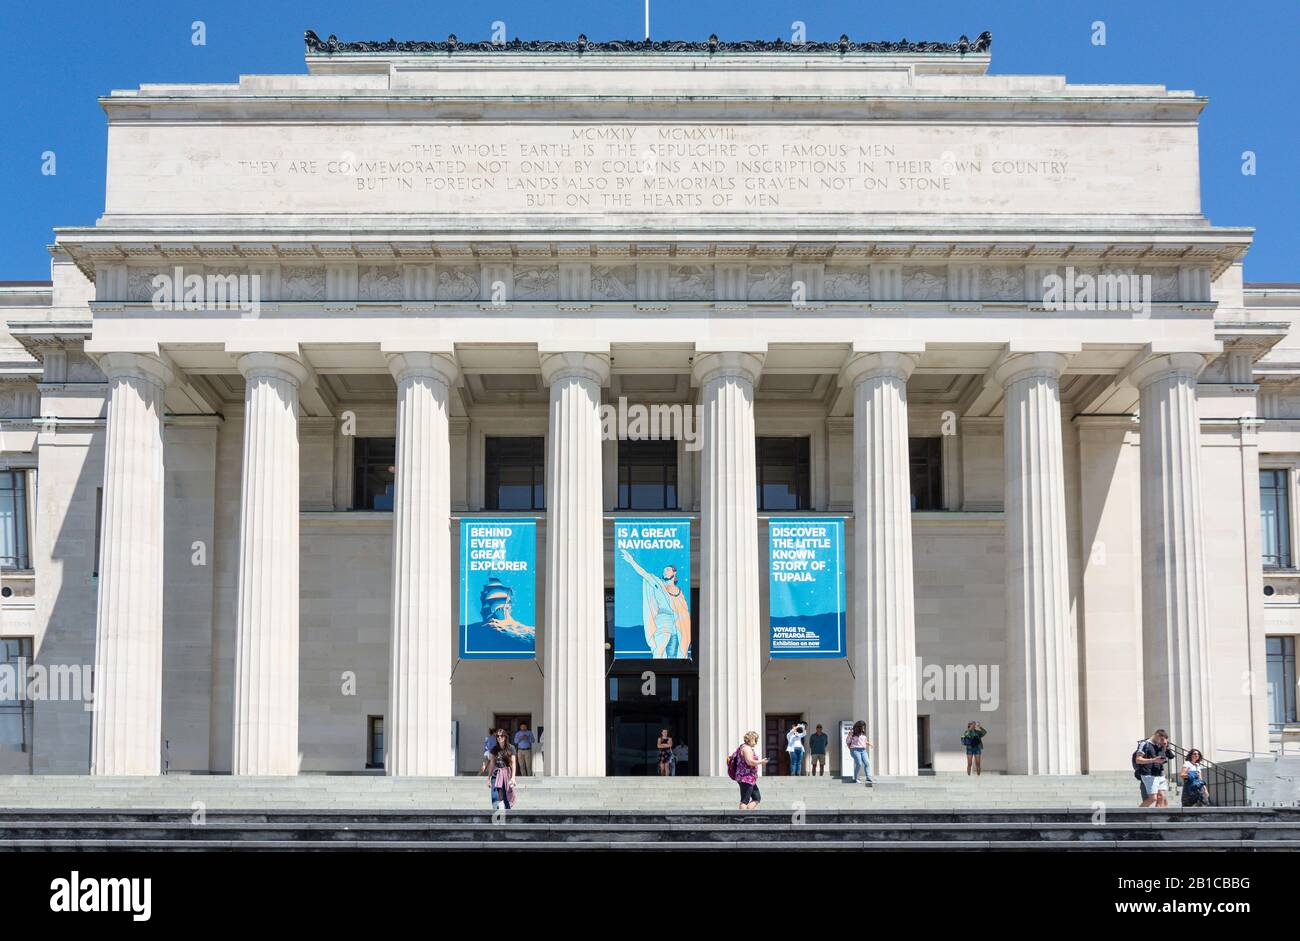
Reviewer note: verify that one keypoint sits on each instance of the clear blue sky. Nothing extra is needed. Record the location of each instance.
(60, 57)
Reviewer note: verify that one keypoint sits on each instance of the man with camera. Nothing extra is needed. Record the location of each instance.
(794, 746)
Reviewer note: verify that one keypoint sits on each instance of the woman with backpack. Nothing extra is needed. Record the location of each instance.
(742, 767)
(973, 741)
(1195, 792)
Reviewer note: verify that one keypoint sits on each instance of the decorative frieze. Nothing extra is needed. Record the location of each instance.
(691, 283)
(655, 281)
(1002, 283)
(537, 283)
(769, 283)
(379, 283)
(613, 282)
(458, 283)
(924, 284)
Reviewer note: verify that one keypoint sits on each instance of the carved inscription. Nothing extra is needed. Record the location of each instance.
(653, 168)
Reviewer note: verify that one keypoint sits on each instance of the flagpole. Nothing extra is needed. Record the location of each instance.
(647, 20)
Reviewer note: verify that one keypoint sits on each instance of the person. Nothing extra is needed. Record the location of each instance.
(665, 611)
(489, 740)
(817, 743)
(1195, 791)
(524, 741)
(1149, 768)
(858, 745)
(681, 755)
(742, 767)
(501, 772)
(665, 745)
(794, 747)
(973, 739)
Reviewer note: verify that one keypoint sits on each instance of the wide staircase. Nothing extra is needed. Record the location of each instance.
(315, 812)
(362, 792)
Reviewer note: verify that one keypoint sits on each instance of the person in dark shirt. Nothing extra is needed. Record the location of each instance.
(1149, 763)
(817, 751)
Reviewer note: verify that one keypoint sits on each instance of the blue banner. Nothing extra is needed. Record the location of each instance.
(806, 587)
(652, 589)
(498, 589)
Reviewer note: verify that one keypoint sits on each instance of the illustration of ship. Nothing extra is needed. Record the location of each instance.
(496, 602)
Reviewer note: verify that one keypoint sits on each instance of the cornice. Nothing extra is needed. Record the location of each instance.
(1218, 248)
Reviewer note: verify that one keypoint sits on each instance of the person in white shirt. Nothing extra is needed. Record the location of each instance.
(794, 747)
(1195, 791)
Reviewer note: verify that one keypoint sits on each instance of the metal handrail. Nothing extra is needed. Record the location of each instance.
(1225, 788)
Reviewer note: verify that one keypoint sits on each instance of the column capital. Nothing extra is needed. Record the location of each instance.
(272, 366)
(580, 365)
(1168, 365)
(154, 368)
(1018, 366)
(440, 367)
(740, 365)
(863, 366)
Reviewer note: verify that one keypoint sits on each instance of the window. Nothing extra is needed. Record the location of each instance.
(13, 520)
(15, 710)
(373, 473)
(514, 473)
(1279, 652)
(647, 475)
(375, 742)
(926, 458)
(783, 473)
(1275, 518)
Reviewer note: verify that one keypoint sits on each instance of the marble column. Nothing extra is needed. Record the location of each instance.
(884, 623)
(1175, 620)
(126, 725)
(731, 683)
(266, 634)
(574, 666)
(1042, 692)
(417, 728)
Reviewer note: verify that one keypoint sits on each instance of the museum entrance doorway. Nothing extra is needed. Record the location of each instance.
(644, 696)
(638, 708)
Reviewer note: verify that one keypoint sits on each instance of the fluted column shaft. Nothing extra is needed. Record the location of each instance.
(266, 640)
(126, 727)
(575, 569)
(884, 629)
(730, 649)
(1177, 682)
(417, 729)
(1042, 653)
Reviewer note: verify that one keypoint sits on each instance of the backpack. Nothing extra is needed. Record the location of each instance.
(733, 764)
(1137, 769)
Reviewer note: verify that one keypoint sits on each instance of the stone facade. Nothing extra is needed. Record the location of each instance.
(841, 246)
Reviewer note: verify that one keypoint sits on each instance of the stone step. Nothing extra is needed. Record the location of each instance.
(244, 846)
(332, 830)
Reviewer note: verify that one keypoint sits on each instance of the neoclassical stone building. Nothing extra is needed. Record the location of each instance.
(407, 281)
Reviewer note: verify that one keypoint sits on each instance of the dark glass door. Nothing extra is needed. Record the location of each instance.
(637, 710)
